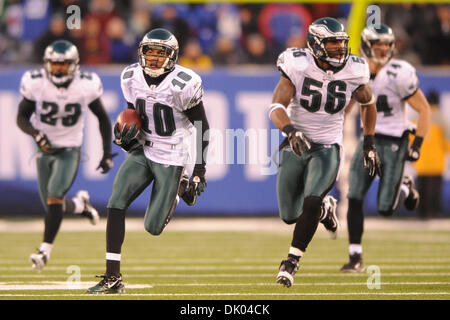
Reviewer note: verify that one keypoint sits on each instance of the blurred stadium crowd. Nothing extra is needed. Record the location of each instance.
(210, 34)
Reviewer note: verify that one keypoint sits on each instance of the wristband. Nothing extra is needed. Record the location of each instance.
(275, 106)
(288, 129)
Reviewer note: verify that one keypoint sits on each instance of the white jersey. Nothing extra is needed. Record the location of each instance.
(317, 109)
(61, 112)
(165, 126)
(393, 84)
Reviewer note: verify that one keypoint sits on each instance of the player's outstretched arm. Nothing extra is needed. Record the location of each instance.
(99, 111)
(419, 103)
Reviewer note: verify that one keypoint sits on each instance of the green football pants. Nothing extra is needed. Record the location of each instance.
(392, 152)
(56, 172)
(135, 174)
(312, 174)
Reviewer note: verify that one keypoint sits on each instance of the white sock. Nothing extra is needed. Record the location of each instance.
(47, 248)
(296, 252)
(324, 209)
(354, 248)
(79, 205)
(404, 188)
(323, 214)
(113, 256)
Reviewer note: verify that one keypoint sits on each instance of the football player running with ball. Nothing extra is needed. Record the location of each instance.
(60, 95)
(308, 106)
(394, 83)
(168, 98)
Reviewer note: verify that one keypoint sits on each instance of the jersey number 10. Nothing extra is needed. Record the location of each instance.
(162, 116)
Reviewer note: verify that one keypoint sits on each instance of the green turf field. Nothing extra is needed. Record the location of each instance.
(414, 264)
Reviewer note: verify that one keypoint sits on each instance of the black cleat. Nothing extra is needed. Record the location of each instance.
(108, 285)
(186, 191)
(354, 265)
(288, 268)
(330, 222)
(412, 201)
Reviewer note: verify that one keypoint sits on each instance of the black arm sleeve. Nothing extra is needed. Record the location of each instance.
(130, 105)
(197, 114)
(26, 109)
(97, 108)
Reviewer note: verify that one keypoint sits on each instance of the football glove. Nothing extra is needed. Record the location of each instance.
(413, 152)
(42, 141)
(297, 140)
(197, 180)
(106, 163)
(370, 156)
(126, 138)
(185, 192)
(193, 187)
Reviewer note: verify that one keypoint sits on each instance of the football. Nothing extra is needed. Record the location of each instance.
(129, 117)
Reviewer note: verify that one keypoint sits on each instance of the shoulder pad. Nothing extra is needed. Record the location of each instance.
(186, 74)
(293, 59)
(188, 86)
(92, 84)
(30, 83)
(129, 71)
(358, 68)
(404, 75)
(401, 67)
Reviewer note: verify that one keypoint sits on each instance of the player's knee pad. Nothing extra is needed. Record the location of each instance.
(386, 213)
(312, 205)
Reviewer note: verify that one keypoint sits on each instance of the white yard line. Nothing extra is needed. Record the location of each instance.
(60, 285)
(302, 284)
(196, 261)
(232, 267)
(63, 285)
(221, 224)
(236, 275)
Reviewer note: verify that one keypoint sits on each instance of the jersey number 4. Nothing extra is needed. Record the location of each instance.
(52, 109)
(336, 97)
(383, 106)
